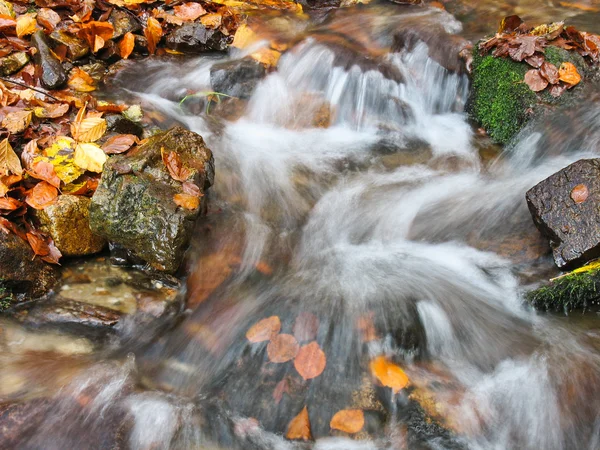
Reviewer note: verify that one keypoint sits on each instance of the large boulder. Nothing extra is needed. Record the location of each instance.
(22, 275)
(566, 209)
(134, 204)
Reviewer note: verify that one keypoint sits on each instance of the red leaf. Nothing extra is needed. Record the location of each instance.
(119, 144)
(42, 195)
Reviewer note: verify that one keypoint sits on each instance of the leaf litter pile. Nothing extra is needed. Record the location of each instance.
(523, 43)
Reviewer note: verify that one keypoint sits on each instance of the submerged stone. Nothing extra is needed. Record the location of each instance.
(237, 78)
(134, 204)
(196, 38)
(566, 209)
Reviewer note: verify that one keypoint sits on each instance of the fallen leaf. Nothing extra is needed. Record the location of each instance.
(174, 165)
(580, 193)
(93, 30)
(42, 195)
(549, 72)
(51, 110)
(283, 387)
(61, 154)
(43, 170)
(191, 189)
(264, 330)
(43, 246)
(525, 46)
(244, 36)
(310, 361)
(558, 89)
(266, 56)
(17, 121)
(211, 21)
(569, 74)
(580, 6)
(187, 201)
(119, 143)
(367, 328)
(535, 81)
(189, 11)
(388, 374)
(89, 156)
(126, 45)
(348, 420)
(299, 426)
(153, 32)
(10, 204)
(81, 81)
(3, 189)
(536, 60)
(9, 161)
(306, 326)
(48, 18)
(30, 151)
(26, 25)
(510, 24)
(282, 348)
(89, 129)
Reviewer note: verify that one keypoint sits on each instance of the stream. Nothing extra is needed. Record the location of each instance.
(356, 202)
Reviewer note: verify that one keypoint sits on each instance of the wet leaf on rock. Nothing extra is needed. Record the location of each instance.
(299, 426)
(535, 81)
(569, 74)
(43, 170)
(96, 33)
(90, 156)
(42, 195)
(264, 330)
(189, 11)
(187, 201)
(282, 348)
(388, 374)
(89, 129)
(119, 143)
(153, 32)
(580, 193)
(536, 60)
(348, 420)
(549, 72)
(174, 165)
(51, 110)
(9, 161)
(310, 361)
(126, 45)
(558, 89)
(81, 81)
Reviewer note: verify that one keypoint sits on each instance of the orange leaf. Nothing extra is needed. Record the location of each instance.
(282, 348)
(212, 20)
(153, 33)
(42, 195)
(388, 374)
(189, 11)
(81, 81)
(43, 170)
(187, 201)
(306, 327)
(264, 330)
(93, 30)
(10, 204)
(348, 420)
(175, 166)
(580, 193)
(568, 73)
(366, 327)
(310, 361)
(127, 44)
(119, 143)
(48, 18)
(299, 426)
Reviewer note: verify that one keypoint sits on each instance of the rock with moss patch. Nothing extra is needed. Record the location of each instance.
(13, 63)
(67, 221)
(134, 204)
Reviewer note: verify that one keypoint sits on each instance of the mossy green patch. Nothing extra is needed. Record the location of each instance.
(500, 100)
(6, 296)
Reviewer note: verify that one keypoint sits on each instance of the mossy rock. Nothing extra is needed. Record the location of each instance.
(503, 104)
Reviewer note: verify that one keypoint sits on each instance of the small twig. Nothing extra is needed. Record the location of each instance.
(18, 83)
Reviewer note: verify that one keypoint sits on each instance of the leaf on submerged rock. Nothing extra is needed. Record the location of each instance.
(535, 81)
(569, 74)
(43, 170)
(348, 420)
(187, 201)
(244, 36)
(17, 121)
(153, 33)
(282, 348)
(9, 161)
(388, 374)
(310, 361)
(299, 427)
(549, 72)
(119, 143)
(90, 156)
(42, 195)
(43, 246)
(126, 45)
(264, 330)
(189, 11)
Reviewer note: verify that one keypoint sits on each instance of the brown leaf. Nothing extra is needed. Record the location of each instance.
(549, 72)
(175, 166)
(367, 328)
(187, 201)
(310, 361)
(580, 193)
(43, 170)
(43, 246)
(264, 330)
(189, 11)
(9, 161)
(17, 121)
(26, 25)
(388, 374)
(283, 387)
(282, 348)
(536, 60)
(153, 32)
(535, 81)
(306, 327)
(126, 45)
(191, 189)
(510, 24)
(348, 420)
(51, 110)
(569, 74)
(9, 203)
(93, 30)
(30, 151)
(558, 89)
(48, 18)
(119, 143)
(299, 426)
(42, 195)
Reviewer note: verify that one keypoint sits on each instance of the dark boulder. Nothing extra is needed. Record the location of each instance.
(134, 204)
(53, 75)
(123, 22)
(196, 38)
(565, 208)
(237, 78)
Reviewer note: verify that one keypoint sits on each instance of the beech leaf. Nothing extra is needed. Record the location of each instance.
(119, 143)
(153, 33)
(26, 25)
(535, 81)
(299, 426)
(264, 330)
(348, 420)
(310, 361)
(282, 348)
(88, 130)
(569, 74)
(388, 374)
(9, 161)
(42, 195)
(127, 45)
(90, 156)
(17, 121)
(187, 201)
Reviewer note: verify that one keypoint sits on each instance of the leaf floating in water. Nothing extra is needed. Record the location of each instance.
(569, 74)
(282, 348)
(535, 81)
(388, 374)
(348, 420)
(264, 330)
(299, 426)
(580, 193)
(310, 361)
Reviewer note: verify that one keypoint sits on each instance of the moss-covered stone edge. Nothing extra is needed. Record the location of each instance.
(6, 296)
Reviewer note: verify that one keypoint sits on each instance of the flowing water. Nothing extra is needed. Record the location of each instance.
(352, 195)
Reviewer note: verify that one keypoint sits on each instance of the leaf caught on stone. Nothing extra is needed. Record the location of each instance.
(42, 195)
(580, 193)
(569, 74)
(17, 121)
(388, 373)
(510, 24)
(90, 156)
(43, 246)
(81, 81)
(96, 33)
(187, 201)
(299, 427)
(310, 361)
(264, 330)
(174, 165)
(119, 143)
(535, 81)
(282, 348)
(51, 110)
(9, 161)
(153, 32)
(126, 45)
(89, 129)
(348, 420)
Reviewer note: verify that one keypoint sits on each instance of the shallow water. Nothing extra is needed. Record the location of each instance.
(389, 230)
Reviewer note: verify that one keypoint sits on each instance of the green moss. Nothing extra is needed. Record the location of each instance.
(573, 291)
(6, 296)
(500, 100)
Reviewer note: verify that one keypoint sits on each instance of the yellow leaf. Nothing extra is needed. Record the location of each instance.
(299, 426)
(6, 9)
(9, 161)
(212, 20)
(266, 56)
(89, 130)
(90, 156)
(26, 24)
(388, 373)
(348, 420)
(61, 155)
(17, 121)
(244, 36)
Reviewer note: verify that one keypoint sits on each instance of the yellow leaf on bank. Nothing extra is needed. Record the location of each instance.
(88, 130)
(388, 374)
(90, 156)
(26, 25)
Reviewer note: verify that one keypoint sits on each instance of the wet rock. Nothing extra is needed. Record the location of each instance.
(123, 23)
(120, 124)
(18, 420)
(53, 75)
(22, 275)
(565, 209)
(135, 208)
(196, 38)
(76, 48)
(67, 221)
(237, 78)
(13, 63)
(110, 53)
